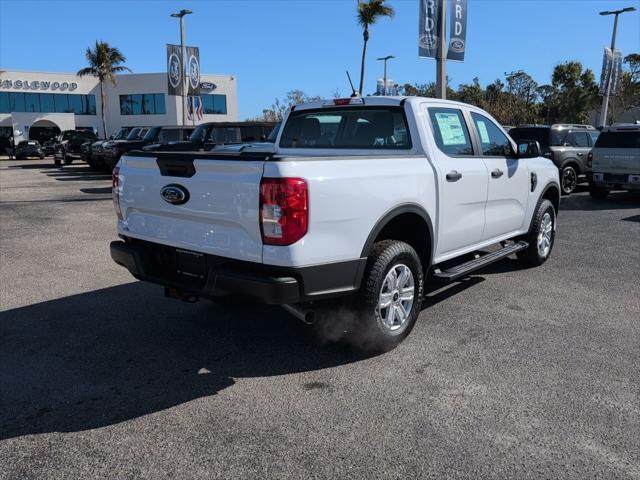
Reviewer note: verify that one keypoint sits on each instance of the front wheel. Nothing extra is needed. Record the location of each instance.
(68, 160)
(541, 236)
(390, 298)
(568, 179)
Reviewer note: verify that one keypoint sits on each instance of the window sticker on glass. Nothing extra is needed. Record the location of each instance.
(450, 128)
(482, 130)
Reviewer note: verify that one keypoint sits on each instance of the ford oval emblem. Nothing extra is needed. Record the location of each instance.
(457, 45)
(175, 194)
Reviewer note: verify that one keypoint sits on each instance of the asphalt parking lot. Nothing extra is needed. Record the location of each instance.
(512, 373)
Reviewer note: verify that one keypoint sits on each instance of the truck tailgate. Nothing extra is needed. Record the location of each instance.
(220, 216)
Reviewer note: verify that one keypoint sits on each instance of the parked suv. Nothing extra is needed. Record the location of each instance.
(207, 135)
(68, 146)
(29, 148)
(567, 145)
(615, 161)
(113, 152)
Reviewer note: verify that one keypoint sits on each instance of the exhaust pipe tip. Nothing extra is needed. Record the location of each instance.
(306, 316)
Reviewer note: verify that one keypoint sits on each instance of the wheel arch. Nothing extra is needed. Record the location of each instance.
(394, 225)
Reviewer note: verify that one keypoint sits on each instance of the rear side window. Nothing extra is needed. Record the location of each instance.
(618, 140)
(580, 139)
(450, 131)
(347, 127)
(594, 136)
(540, 135)
(494, 142)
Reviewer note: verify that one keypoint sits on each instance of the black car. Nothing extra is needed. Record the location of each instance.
(68, 146)
(29, 148)
(48, 147)
(208, 135)
(94, 153)
(114, 150)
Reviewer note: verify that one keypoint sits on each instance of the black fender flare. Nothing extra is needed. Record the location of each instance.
(547, 187)
(389, 216)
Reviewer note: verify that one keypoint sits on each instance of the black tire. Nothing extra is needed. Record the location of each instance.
(366, 330)
(568, 179)
(534, 256)
(57, 162)
(68, 160)
(41, 157)
(598, 192)
(19, 157)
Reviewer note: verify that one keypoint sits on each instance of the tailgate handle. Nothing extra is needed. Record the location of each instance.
(172, 167)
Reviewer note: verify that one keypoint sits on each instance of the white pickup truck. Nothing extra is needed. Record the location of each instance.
(360, 198)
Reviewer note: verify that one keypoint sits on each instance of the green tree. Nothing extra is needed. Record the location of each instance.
(369, 13)
(104, 62)
(576, 92)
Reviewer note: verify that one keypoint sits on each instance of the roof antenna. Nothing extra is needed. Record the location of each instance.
(353, 90)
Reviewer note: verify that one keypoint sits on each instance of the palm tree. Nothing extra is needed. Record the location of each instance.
(368, 14)
(104, 62)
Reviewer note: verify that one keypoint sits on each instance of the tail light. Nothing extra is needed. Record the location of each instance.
(284, 210)
(115, 191)
(590, 160)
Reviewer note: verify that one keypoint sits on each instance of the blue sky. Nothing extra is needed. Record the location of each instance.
(273, 46)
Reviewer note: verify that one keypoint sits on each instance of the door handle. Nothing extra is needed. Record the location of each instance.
(497, 173)
(453, 176)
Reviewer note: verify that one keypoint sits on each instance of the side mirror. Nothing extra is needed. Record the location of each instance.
(528, 149)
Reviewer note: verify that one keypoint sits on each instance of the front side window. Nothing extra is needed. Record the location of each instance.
(347, 127)
(450, 131)
(494, 143)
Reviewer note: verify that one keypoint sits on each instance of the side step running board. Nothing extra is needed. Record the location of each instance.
(482, 261)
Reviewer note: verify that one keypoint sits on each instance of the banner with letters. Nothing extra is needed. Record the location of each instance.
(429, 28)
(192, 61)
(611, 71)
(458, 30)
(174, 70)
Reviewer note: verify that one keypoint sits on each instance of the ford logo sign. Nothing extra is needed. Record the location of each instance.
(457, 45)
(174, 194)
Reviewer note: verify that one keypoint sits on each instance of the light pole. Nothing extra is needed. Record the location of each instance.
(441, 57)
(181, 14)
(605, 98)
(384, 59)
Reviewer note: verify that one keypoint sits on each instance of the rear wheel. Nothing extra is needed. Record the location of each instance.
(541, 236)
(568, 179)
(389, 300)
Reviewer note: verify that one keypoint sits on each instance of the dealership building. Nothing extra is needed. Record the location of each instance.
(37, 105)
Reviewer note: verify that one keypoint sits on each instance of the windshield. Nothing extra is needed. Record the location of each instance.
(618, 140)
(347, 127)
(122, 134)
(150, 134)
(133, 134)
(199, 133)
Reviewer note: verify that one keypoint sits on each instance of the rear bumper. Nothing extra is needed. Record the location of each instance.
(221, 276)
(615, 181)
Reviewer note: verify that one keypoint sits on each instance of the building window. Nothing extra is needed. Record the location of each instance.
(142, 104)
(47, 103)
(214, 104)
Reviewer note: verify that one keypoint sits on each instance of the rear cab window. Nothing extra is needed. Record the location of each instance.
(450, 131)
(619, 139)
(347, 127)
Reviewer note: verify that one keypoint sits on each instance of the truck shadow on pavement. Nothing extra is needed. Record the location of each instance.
(116, 354)
(615, 201)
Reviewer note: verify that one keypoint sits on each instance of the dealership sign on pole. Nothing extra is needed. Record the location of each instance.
(174, 70)
(193, 70)
(428, 30)
(432, 36)
(611, 71)
(458, 39)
